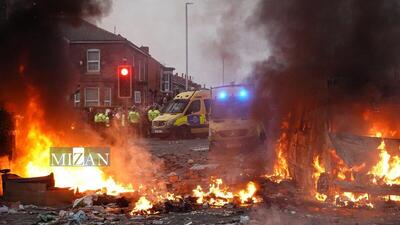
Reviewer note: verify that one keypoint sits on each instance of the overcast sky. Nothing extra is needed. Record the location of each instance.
(216, 28)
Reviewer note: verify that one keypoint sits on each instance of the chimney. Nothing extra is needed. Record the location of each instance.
(145, 49)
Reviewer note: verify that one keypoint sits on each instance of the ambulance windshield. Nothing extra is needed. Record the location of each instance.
(176, 106)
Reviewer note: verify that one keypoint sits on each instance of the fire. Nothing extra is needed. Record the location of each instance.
(321, 197)
(142, 206)
(355, 200)
(281, 168)
(387, 170)
(219, 195)
(33, 146)
(319, 169)
(248, 194)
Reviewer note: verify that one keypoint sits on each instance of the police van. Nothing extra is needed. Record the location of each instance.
(232, 126)
(185, 116)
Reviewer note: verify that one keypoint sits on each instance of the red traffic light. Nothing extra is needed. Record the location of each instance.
(124, 70)
(124, 73)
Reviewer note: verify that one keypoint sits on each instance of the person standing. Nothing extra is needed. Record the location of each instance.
(134, 121)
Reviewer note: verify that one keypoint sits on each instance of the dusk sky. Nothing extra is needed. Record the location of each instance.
(216, 28)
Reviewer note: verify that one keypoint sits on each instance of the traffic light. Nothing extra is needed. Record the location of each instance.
(124, 81)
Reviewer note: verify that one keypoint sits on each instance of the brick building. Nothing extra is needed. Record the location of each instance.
(179, 83)
(96, 54)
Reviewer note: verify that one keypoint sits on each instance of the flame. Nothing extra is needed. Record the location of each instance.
(387, 170)
(248, 194)
(142, 206)
(218, 194)
(318, 170)
(356, 200)
(33, 148)
(281, 168)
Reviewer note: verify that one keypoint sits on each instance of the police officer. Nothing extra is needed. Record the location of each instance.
(134, 121)
(101, 119)
(151, 115)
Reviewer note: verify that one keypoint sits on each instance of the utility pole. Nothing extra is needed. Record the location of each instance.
(187, 50)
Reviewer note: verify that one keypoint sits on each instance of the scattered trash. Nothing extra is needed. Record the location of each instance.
(84, 201)
(79, 216)
(244, 219)
(48, 217)
(3, 209)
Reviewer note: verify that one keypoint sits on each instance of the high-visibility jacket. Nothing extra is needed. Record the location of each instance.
(101, 118)
(133, 117)
(152, 114)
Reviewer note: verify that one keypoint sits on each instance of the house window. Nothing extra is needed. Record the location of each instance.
(92, 96)
(93, 60)
(77, 99)
(138, 97)
(166, 82)
(107, 96)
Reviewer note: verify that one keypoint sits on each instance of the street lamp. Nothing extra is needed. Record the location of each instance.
(187, 50)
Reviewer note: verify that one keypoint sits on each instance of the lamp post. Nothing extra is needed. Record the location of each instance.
(187, 49)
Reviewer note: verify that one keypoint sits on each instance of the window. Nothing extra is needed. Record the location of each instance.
(166, 82)
(93, 60)
(194, 107)
(92, 96)
(138, 98)
(107, 96)
(77, 99)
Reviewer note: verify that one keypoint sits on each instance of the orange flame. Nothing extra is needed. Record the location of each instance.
(281, 168)
(142, 206)
(218, 194)
(33, 148)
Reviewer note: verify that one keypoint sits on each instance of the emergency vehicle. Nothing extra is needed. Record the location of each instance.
(231, 124)
(185, 116)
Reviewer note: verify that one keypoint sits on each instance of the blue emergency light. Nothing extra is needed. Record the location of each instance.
(243, 94)
(222, 95)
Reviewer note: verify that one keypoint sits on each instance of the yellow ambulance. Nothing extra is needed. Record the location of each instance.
(185, 116)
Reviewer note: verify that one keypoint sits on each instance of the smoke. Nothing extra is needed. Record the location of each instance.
(327, 52)
(33, 56)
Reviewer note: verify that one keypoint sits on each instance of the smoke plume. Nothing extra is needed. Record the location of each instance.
(33, 56)
(327, 52)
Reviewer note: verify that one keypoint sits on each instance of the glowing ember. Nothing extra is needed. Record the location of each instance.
(321, 197)
(142, 206)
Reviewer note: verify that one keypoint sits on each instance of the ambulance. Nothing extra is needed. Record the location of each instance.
(185, 116)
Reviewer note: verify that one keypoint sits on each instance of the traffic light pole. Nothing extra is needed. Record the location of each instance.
(187, 49)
